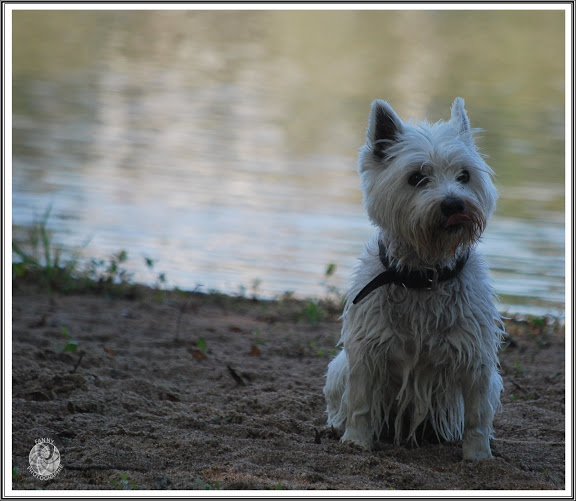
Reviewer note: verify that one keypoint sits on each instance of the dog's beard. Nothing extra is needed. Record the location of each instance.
(436, 239)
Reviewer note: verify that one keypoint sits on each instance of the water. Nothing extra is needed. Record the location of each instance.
(222, 144)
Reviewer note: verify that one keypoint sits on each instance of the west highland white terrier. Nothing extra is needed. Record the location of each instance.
(420, 333)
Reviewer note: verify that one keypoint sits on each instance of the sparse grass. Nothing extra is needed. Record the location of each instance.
(540, 327)
(40, 260)
(258, 340)
(198, 484)
(255, 290)
(313, 312)
(318, 352)
(317, 310)
(518, 369)
(209, 487)
(160, 282)
(69, 346)
(16, 475)
(110, 271)
(124, 483)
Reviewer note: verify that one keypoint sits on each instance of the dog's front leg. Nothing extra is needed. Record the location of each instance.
(481, 398)
(359, 396)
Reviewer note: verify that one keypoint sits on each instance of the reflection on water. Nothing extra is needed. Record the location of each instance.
(223, 144)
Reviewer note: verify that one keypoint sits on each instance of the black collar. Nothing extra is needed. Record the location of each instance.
(410, 279)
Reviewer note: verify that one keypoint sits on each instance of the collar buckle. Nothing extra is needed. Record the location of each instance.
(433, 282)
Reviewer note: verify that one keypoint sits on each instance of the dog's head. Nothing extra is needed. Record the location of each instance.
(425, 184)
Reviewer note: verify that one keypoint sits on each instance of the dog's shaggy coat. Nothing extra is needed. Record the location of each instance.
(414, 358)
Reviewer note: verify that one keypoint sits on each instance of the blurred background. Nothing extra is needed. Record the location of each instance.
(223, 144)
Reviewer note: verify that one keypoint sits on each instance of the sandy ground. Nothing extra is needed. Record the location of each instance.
(212, 392)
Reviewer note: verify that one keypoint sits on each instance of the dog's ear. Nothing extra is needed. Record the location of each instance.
(384, 127)
(459, 116)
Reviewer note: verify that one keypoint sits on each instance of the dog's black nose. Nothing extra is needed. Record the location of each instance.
(452, 205)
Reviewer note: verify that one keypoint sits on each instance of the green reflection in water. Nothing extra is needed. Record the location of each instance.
(317, 71)
(267, 109)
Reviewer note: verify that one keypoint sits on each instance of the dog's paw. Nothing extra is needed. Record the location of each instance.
(477, 455)
(477, 448)
(357, 439)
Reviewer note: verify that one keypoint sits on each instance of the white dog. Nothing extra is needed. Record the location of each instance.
(420, 331)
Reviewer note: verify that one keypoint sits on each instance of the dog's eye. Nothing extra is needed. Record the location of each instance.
(464, 177)
(418, 179)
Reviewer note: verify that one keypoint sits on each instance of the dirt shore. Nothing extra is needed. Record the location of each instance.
(173, 391)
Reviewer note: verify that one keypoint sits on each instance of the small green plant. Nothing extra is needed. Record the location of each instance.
(333, 293)
(518, 369)
(286, 296)
(258, 340)
(124, 483)
(111, 271)
(256, 288)
(16, 474)
(109, 276)
(318, 352)
(202, 485)
(160, 278)
(313, 312)
(202, 345)
(330, 269)
(115, 271)
(160, 283)
(70, 346)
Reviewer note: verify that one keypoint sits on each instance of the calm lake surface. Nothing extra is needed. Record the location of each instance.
(222, 144)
